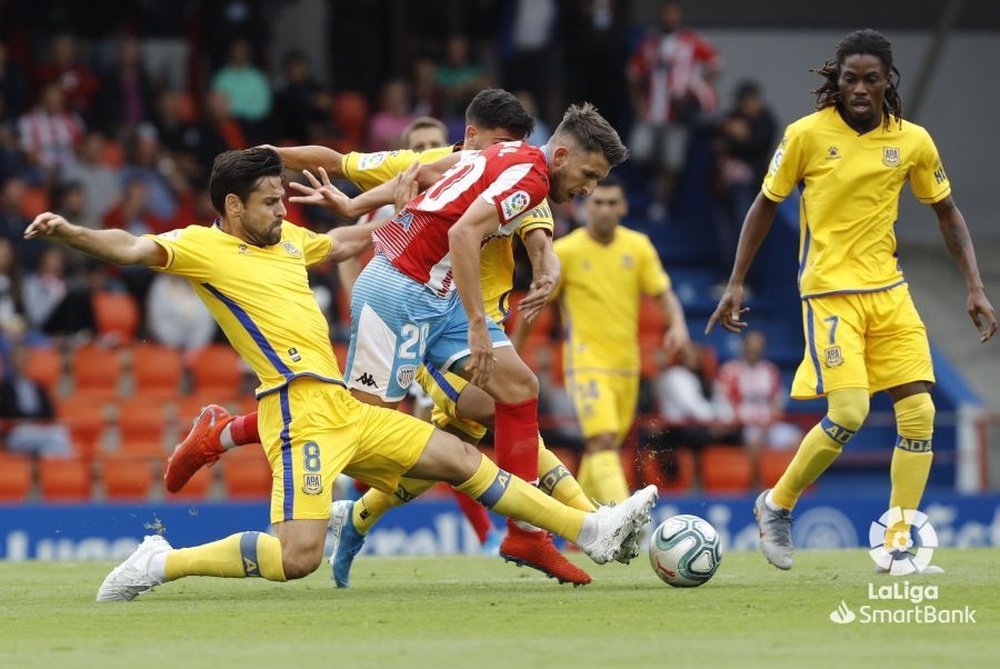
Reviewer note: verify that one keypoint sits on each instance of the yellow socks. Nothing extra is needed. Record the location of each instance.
(846, 412)
(237, 556)
(605, 480)
(555, 480)
(508, 495)
(911, 460)
(374, 503)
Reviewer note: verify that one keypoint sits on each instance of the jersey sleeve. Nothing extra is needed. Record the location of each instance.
(787, 166)
(315, 247)
(517, 189)
(653, 280)
(539, 218)
(927, 176)
(189, 252)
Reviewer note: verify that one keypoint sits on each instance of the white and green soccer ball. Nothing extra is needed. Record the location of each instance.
(684, 551)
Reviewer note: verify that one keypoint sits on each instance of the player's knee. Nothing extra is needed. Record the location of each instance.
(848, 408)
(915, 416)
(520, 385)
(299, 559)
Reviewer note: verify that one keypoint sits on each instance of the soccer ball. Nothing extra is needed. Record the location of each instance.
(684, 551)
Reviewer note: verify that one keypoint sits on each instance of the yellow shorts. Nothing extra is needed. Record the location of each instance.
(444, 388)
(605, 401)
(313, 430)
(862, 340)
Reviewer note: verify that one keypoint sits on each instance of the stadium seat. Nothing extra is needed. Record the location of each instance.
(140, 419)
(157, 370)
(668, 470)
(726, 469)
(246, 473)
(64, 480)
(126, 478)
(772, 464)
(116, 314)
(33, 202)
(96, 372)
(217, 370)
(350, 116)
(84, 417)
(44, 366)
(15, 478)
(197, 488)
(651, 320)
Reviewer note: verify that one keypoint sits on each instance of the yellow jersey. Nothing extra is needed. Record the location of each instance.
(496, 273)
(600, 293)
(260, 297)
(850, 197)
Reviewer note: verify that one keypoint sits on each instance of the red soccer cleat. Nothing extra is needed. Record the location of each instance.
(200, 447)
(536, 550)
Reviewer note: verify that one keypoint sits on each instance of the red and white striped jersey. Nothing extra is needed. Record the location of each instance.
(670, 67)
(512, 176)
(752, 390)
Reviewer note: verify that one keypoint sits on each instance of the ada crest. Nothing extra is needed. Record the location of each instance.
(514, 204)
(312, 484)
(890, 156)
(404, 375)
(291, 249)
(833, 358)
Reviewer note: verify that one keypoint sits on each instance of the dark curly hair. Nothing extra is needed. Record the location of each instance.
(869, 42)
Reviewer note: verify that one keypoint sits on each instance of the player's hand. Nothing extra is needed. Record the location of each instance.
(537, 297)
(481, 360)
(407, 187)
(982, 314)
(50, 225)
(730, 310)
(322, 193)
(674, 339)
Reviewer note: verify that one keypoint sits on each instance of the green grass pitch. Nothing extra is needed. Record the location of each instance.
(481, 613)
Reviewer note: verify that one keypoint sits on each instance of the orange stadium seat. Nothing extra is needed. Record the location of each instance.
(157, 370)
(140, 419)
(726, 469)
(246, 473)
(116, 314)
(217, 370)
(651, 320)
(15, 478)
(85, 419)
(197, 488)
(772, 464)
(96, 372)
(350, 116)
(44, 366)
(126, 478)
(64, 480)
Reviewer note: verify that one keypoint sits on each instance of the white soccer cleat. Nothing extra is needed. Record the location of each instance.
(618, 526)
(131, 578)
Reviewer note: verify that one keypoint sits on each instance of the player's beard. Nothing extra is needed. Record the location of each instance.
(269, 236)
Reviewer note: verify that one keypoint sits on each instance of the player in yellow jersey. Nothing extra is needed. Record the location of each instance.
(250, 270)
(863, 335)
(606, 269)
(459, 407)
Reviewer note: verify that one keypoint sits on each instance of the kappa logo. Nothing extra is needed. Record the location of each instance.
(366, 380)
(171, 234)
(243, 249)
(890, 156)
(514, 204)
(833, 153)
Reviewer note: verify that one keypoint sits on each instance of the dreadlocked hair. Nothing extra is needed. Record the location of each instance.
(870, 42)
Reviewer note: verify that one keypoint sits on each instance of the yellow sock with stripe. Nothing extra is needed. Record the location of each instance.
(846, 412)
(513, 497)
(555, 480)
(605, 477)
(242, 555)
(911, 460)
(374, 503)
(583, 474)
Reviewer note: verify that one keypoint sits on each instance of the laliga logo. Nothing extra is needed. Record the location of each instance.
(898, 559)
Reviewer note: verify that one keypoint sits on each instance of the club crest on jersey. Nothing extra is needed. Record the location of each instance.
(312, 484)
(404, 375)
(514, 204)
(890, 156)
(370, 161)
(291, 249)
(833, 356)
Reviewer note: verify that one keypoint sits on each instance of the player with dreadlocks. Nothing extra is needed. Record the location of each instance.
(863, 334)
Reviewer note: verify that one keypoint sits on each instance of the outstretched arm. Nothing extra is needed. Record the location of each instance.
(113, 246)
(310, 157)
(959, 243)
(545, 273)
(676, 334)
(755, 228)
(323, 193)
